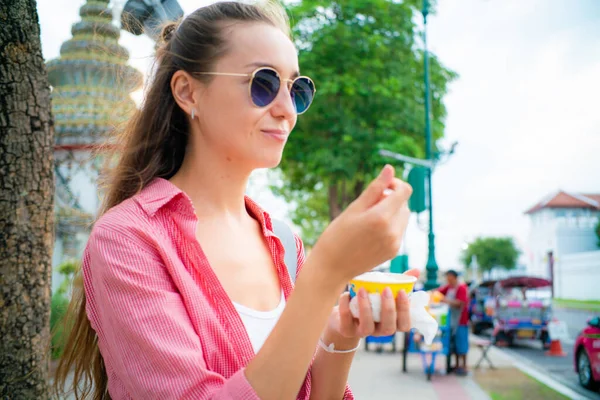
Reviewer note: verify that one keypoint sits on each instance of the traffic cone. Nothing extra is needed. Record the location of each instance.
(556, 349)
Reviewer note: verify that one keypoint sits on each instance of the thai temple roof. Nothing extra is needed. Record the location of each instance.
(91, 80)
(91, 86)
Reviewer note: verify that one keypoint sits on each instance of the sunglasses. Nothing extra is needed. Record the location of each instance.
(266, 83)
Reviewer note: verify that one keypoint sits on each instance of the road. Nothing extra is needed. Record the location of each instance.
(576, 320)
(559, 368)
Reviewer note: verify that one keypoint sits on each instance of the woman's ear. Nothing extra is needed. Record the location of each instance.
(184, 87)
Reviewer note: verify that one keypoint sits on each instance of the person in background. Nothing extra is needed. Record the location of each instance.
(456, 295)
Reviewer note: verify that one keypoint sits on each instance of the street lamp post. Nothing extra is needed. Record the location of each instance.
(148, 16)
(432, 267)
(430, 161)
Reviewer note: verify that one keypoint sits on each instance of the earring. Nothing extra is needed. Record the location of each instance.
(193, 112)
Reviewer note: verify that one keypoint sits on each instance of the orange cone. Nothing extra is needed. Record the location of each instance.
(556, 349)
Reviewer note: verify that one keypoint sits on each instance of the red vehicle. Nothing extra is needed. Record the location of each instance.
(587, 355)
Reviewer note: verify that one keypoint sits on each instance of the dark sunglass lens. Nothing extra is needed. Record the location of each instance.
(265, 87)
(303, 92)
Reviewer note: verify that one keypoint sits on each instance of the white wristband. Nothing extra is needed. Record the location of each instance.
(331, 348)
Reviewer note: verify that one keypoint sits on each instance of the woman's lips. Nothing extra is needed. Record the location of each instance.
(276, 134)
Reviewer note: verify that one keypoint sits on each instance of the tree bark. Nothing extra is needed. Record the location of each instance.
(334, 203)
(26, 204)
(340, 196)
(359, 186)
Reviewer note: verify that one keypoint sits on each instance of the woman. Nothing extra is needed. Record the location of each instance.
(184, 280)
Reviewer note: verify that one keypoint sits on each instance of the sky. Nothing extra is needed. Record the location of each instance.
(524, 111)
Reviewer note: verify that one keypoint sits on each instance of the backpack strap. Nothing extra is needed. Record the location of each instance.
(286, 236)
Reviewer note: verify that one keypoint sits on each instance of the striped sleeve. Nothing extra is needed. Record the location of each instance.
(142, 324)
(300, 253)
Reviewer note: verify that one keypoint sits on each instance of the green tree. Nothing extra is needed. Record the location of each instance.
(310, 208)
(67, 269)
(366, 59)
(598, 232)
(491, 252)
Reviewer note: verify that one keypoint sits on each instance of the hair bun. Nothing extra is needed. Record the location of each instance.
(167, 32)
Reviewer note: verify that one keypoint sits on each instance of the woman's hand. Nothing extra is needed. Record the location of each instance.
(368, 233)
(395, 315)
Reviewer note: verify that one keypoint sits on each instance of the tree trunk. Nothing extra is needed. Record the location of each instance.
(359, 186)
(26, 204)
(340, 196)
(334, 201)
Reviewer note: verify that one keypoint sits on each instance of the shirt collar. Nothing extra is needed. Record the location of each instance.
(158, 194)
(161, 192)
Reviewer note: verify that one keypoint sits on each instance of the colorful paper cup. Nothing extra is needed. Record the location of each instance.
(376, 282)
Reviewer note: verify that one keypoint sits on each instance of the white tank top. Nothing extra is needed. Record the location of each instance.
(259, 324)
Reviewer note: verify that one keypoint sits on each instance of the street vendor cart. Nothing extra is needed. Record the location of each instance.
(380, 341)
(413, 342)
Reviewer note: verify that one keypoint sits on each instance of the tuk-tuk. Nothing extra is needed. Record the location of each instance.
(480, 312)
(520, 312)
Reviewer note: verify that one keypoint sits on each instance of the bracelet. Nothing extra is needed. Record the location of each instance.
(331, 348)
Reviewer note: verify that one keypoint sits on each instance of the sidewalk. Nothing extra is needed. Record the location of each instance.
(379, 376)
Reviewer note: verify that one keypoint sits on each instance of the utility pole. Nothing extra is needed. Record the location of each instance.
(432, 267)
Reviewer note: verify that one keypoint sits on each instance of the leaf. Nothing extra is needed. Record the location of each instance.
(365, 59)
(491, 252)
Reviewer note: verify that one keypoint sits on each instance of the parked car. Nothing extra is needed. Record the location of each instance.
(587, 355)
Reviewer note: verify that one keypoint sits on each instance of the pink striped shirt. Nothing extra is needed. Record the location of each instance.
(166, 327)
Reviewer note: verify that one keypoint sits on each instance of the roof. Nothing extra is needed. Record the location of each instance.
(524, 281)
(562, 199)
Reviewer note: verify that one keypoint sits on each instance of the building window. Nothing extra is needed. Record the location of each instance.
(560, 213)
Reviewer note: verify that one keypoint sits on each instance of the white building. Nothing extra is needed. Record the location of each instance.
(562, 231)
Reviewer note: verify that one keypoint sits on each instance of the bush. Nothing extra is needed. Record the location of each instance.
(58, 309)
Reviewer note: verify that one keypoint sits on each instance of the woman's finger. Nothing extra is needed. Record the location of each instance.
(413, 272)
(398, 194)
(366, 326)
(347, 322)
(387, 324)
(399, 219)
(403, 312)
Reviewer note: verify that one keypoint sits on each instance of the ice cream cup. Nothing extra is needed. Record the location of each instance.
(376, 282)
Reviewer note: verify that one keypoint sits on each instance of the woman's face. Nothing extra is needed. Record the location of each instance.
(230, 124)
